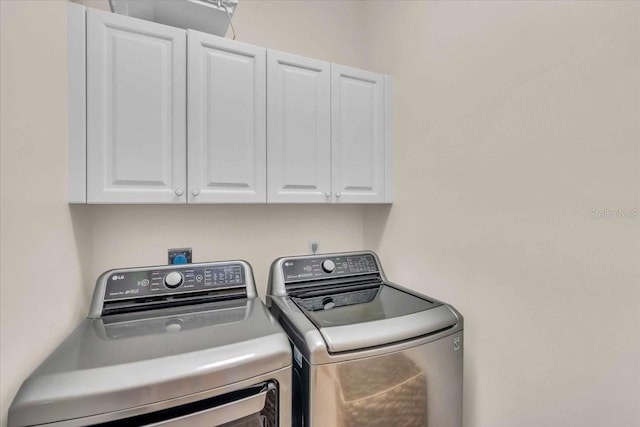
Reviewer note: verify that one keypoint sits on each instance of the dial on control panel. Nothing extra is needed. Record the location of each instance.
(173, 280)
(328, 266)
(328, 303)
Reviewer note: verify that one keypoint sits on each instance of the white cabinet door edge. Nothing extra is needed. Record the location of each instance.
(389, 192)
(77, 97)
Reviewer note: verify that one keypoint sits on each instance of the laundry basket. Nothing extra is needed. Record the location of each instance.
(209, 16)
(384, 391)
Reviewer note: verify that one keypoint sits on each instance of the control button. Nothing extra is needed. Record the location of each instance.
(199, 278)
(328, 303)
(328, 266)
(143, 282)
(173, 280)
(173, 325)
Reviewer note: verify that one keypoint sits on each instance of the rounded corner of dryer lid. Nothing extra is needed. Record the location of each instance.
(73, 384)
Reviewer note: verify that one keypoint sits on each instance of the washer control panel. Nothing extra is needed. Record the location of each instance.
(176, 279)
(322, 267)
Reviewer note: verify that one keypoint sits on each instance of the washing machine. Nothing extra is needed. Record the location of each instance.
(367, 352)
(189, 345)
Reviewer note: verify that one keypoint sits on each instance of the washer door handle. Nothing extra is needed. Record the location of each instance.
(222, 414)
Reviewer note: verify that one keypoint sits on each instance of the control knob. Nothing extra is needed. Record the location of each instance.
(173, 280)
(328, 266)
(328, 303)
(173, 325)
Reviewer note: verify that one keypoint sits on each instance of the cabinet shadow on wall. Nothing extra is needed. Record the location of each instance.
(110, 236)
(375, 219)
(82, 233)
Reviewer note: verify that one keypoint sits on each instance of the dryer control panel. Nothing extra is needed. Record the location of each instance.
(149, 282)
(322, 267)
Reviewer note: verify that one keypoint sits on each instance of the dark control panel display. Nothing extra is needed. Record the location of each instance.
(296, 270)
(327, 302)
(192, 277)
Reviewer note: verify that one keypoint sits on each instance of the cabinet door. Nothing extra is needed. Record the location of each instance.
(357, 140)
(298, 129)
(136, 110)
(227, 120)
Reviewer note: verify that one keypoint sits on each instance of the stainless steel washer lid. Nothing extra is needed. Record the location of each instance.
(124, 361)
(391, 316)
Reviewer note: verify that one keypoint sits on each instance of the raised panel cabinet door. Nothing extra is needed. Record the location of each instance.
(227, 120)
(358, 137)
(298, 129)
(136, 110)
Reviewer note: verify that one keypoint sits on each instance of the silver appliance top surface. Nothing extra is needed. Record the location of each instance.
(367, 305)
(374, 317)
(138, 357)
(347, 299)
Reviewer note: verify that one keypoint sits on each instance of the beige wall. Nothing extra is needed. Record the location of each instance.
(140, 235)
(43, 245)
(47, 247)
(513, 121)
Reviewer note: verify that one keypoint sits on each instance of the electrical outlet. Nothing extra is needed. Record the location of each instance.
(314, 246)
(179, 256)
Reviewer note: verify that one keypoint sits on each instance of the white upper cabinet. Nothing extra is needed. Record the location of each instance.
(175, 116)
(358, 135)
(136, 111)
(227, 120)
(298, 129)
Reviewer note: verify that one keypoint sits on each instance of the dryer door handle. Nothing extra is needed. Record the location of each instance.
(217, 415)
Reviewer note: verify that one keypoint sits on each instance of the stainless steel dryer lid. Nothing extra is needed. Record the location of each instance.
(395, 314)
(392, 315)
(119, 362)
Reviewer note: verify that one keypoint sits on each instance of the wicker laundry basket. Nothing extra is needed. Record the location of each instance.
(385, 391)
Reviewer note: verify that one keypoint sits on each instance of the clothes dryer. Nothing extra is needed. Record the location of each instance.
(188, 345)
(367, 352)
